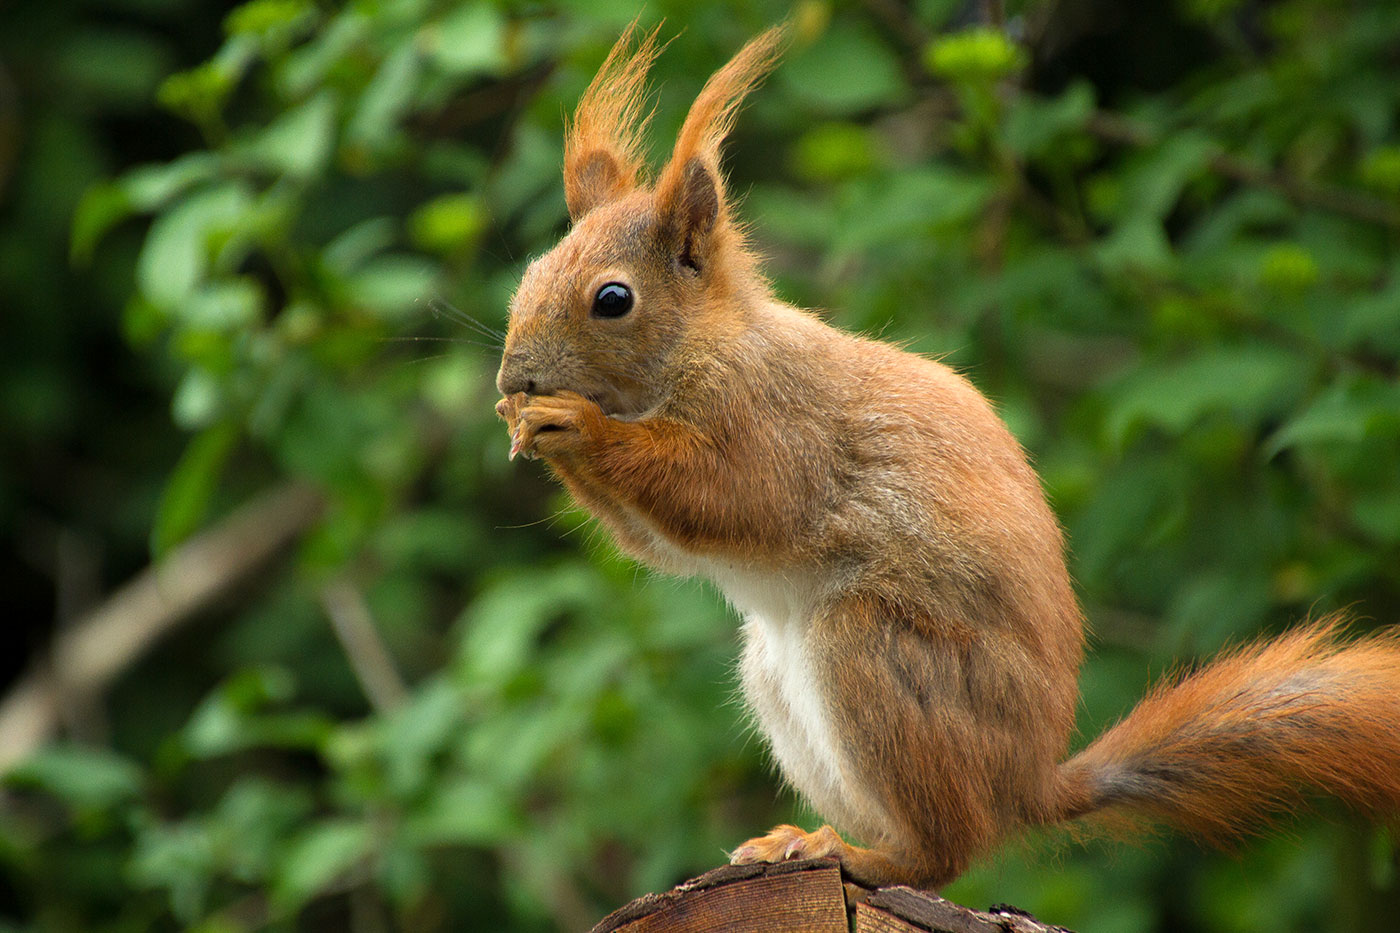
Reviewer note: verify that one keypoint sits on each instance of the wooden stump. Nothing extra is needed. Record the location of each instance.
(804, 897)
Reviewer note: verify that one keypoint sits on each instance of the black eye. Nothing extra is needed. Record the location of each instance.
(613, 300)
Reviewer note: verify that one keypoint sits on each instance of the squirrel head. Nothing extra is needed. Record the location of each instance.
(646, 268)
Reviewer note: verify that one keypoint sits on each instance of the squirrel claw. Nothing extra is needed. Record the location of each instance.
(547, 426)
(786, 843)
(508, 409)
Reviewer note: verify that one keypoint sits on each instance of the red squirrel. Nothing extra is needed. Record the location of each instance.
(911, 637)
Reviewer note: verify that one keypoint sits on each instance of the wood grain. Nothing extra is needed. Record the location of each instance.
(790, 897)
(805, 897)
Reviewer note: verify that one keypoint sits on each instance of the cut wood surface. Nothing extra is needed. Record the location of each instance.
(807, 896)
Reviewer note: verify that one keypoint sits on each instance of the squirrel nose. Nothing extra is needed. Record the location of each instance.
(511, 383)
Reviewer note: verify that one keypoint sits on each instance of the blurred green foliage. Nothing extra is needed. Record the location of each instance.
(1165, 242)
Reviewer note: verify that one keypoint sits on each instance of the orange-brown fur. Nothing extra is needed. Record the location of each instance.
(912, 639)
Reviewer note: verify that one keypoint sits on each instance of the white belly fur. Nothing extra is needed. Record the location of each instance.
(784, 695)
(782, 690)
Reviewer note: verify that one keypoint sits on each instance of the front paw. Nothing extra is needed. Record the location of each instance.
(508, 409)
(549, 425)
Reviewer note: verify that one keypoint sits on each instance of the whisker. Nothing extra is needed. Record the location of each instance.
(444, 311)
(479, 326)
(508, 258)
(553, 520)
(547, 520)
(474, 325)
(561, 514)
(465, 341)
(426, 359)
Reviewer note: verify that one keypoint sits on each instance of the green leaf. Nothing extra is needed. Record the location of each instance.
(150, 187)
(236, 717)
(1034, 123)
(1371, 321)
(269, 18)
(898, 209)
(463, 811)
(526, 187)
(1214, 607)
(846, 71)
(388, 97)
(391, 284)
(430, 539)
(86, 778)
(1377, 511)
(329, 47)
(505, 621)
(1381, 169)
(221, 730)
(1287, 268)
(199, 94)
(469, 41)
(318, 857)
(450, 382)
(229, 306)
(448, 224)
(198, 401)
(187, 494)
(176, 256)
(980, 54)
(354, 246)
(1345, 413)
(1138, 244)
(833, 151)
(252, 821)
(142, 322)
(103, 206)
(411, 736)
(1249, 381)
(1155, 179)
(298, 143)
(178, 857)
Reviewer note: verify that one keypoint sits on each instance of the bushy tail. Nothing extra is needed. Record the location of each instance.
(1251, 734)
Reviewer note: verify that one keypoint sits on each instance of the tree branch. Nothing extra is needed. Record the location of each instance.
(1113, 128)
(88, 655)
(354, 627)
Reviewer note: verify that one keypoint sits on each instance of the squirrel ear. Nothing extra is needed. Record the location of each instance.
(689, 215)
(594, 179)
(603, 143)
(690, 190)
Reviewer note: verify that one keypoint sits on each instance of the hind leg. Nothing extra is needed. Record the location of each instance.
(912, 757)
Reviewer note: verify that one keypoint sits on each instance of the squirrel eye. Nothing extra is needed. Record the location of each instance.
(613, 300)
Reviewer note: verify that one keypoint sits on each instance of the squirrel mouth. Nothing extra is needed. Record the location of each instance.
(608, 402)
(614, 403)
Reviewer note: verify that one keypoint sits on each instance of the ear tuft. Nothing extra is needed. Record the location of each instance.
(690, 190)
(603, 151)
